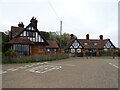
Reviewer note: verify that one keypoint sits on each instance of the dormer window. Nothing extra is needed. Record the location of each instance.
(95, 43)
(85, 43)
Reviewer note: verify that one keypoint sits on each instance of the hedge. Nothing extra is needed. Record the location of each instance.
(39, 58)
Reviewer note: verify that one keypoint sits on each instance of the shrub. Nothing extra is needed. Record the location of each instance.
(10, 53)
(117, 52)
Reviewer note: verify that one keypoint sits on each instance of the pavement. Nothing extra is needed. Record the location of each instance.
(75, 72)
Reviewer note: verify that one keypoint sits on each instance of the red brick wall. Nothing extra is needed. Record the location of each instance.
(40, 50)
(37, 50)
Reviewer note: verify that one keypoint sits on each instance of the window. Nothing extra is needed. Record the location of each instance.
(108, 45)
(111, 46)
(20, 48)
(55, 50)
(75, 44)
(30, 34)
(72, 50)
(85, 43)
(95, 43)
(71, 47)
(79, 50)
(32, 28)
(48, 50)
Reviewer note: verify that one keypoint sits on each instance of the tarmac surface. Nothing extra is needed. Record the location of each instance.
(75, 72)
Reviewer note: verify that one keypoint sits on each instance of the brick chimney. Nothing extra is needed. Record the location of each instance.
(71, 36)
(20, 24)
(34, 21)
(87, 36)
(101, 37)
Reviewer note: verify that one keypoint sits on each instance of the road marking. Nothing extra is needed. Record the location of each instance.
(45, 62)
(12, 69)
(22, 67)
(114, 65)
(35, 67)
(61, 64)
(2, 72)
(43, 68)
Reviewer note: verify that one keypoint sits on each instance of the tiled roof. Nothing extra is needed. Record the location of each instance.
(52, 44)
(69, 42)
(16, 30)
(90, 42)
(20, 40)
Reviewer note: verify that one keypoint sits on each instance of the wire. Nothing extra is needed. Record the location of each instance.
(53, 9)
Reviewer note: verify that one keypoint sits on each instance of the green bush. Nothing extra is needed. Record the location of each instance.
(10, 53)
(104, 53)
(117, 52)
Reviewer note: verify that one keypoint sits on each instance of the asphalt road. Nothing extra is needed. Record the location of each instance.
(69, 73)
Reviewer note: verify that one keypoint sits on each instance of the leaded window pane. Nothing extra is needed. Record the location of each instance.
(23, 49)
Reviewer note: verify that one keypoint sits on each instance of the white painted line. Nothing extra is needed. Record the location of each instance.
(37, 71)
(43, 68)
(22, 67)
(39, 63)
(3, 72)
(12, 69)
(45, 62)
(114, 65)
(47, 70)
(0, 72)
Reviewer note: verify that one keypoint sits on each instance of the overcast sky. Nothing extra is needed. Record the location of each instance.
(79, 17)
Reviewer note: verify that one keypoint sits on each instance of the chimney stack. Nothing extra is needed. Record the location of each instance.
(21, 24)
(87, 36)
(71, 36)
(101, 37)
(34, 21)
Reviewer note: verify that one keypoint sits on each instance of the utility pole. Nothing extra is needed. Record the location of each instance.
(60, 35)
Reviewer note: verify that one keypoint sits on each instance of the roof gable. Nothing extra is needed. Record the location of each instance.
(92, 43)
(74, 43)
(32, 33)
(108, 44)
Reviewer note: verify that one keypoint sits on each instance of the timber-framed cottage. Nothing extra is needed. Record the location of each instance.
(78, 47)
(29, 40)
